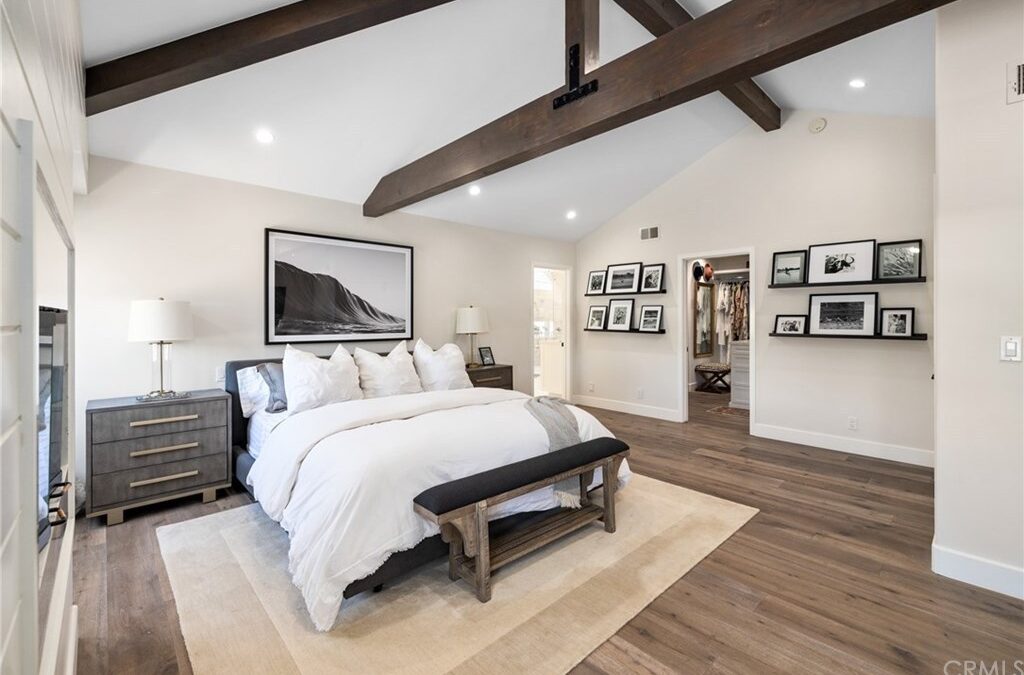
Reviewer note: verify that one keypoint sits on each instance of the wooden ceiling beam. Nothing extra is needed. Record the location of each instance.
(583, 28)
(235, 45)
(662, 16)
(740, 39)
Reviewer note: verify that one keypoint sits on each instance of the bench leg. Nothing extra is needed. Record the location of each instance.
(610, 477)
(451, 534)
(483, 554)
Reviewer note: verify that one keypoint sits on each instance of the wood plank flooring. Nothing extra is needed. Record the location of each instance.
(831, 576)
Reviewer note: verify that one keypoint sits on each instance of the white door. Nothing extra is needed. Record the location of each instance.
(550, 331)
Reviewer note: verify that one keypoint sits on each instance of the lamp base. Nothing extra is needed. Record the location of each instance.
(474, 364)
(163, 396)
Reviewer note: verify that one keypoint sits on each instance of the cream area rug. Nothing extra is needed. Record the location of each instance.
(240, 613)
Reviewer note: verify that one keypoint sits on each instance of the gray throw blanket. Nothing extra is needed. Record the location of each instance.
(563, 431)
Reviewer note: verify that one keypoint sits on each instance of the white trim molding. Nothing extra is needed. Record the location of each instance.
(667, 414)
(854, 446)
(978, 571)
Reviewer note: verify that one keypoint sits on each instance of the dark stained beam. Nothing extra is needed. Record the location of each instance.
(235, 45)
(661, 16)
(583, 28)
(740, 39)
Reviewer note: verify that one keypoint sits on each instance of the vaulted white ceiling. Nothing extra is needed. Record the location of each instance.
(346, 112)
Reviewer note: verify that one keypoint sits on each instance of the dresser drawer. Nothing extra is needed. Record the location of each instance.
(157, 420)
(498, 378)
(120, 455)
(125, 486)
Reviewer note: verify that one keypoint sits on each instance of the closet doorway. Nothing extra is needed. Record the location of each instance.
(551, 303)
(717, 331)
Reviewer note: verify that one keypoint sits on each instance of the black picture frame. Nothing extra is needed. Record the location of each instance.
(802, 279)
(906, 243)
(863, 332)
(660, 267)
(590, 317)
(609, 326)
(783, 317)
(273, 295)
(910, 327)
(590, 282)
(656, 329)
(825, 278)
(486, 356)
(623, 267)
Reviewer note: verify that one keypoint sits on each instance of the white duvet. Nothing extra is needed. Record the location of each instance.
(341, 478)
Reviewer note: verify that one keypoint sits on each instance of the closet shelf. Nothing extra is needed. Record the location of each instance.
(872, 282)
(660, 331)
(915, 336)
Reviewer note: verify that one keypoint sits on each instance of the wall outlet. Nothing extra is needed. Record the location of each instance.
(218, 374)
(640, 394)
(851, 423)
(590, 387)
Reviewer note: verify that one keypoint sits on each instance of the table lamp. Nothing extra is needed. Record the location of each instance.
(160, 322)
(470, 321)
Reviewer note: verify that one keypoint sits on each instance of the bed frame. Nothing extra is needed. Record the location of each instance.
(398, 564)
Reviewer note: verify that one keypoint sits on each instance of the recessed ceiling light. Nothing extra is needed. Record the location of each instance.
(474, 190)
(264, 136)
(858, 83)
(571, 215)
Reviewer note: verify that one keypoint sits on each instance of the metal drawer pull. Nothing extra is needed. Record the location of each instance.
(163, 479)
(490, 379)
(169, 448)
(164, 420)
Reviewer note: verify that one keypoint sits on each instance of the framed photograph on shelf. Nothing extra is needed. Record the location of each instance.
(623, 279)
(842, 314)
(898, 322)
(841, 263)
(789, 267)
(899, 260)
(597, 317)
(620, 315)
(650, 318)
(653, 278)
(791, 324)
(595, 282)
(331, 289)
(486, 356)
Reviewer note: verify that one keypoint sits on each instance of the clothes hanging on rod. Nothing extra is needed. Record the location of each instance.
(732, 314)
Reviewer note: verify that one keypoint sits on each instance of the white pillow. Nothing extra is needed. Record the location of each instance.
(253, 392)
(387, 376)
(311, 382)
(442, 369)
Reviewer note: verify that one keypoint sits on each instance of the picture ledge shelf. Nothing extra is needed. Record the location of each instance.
(915, 336)
(598, 295)
(660, 331)
(911, 280)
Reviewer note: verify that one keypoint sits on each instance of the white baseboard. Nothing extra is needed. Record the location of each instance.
(667, 414)
(854, 446)
(977, 571)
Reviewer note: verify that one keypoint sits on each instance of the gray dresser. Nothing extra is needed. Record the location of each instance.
(142, 453)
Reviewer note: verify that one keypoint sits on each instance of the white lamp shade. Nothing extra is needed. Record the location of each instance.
(469, 320)
(159, 321)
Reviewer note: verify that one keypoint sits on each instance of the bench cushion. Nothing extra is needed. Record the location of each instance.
(471, 489)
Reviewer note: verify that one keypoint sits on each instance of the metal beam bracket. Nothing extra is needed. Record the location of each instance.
(576, 90)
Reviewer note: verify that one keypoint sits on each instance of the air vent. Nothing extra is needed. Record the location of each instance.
(648, 233)
(1014, 82)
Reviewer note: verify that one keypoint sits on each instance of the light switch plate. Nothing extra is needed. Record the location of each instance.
(1009, 348)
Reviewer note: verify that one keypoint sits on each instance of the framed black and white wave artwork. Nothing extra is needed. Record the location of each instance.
(320, 288)
(843, 314)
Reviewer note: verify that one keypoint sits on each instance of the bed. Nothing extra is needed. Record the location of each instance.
(340, 479)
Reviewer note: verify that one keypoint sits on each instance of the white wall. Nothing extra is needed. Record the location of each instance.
(979, 401)
(863, 177)
(144, 232)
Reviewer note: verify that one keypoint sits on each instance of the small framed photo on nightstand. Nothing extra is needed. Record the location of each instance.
(486, 356)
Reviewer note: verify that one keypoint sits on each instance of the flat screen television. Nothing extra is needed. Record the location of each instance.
(50, 418)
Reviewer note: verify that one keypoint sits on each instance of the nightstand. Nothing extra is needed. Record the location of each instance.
(143, 453)
(496, 376)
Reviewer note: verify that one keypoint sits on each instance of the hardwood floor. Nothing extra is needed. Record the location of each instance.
(831, 576)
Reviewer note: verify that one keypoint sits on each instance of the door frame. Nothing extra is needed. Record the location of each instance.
(685, 324)
(570, 312)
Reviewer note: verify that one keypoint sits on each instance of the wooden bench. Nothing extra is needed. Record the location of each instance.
(460, 506)
(712, 376)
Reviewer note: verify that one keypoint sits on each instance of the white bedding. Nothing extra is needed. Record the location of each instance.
(341, 478)
(260, 426)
